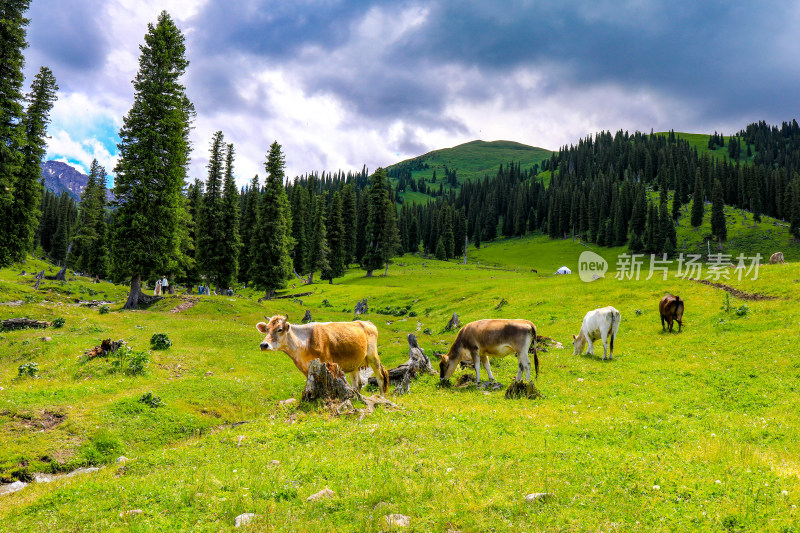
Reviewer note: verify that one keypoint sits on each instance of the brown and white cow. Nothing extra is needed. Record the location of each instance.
(776, 258)
(351, 345)
(479, 340)
(601, 324)
(671, 309)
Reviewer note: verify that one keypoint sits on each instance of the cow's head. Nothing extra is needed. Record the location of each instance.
(579, 343)
(677, 313)
(275, 331)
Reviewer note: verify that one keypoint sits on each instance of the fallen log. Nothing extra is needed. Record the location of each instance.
(293, 295)
(24, 323)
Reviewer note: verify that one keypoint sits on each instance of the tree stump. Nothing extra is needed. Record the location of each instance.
(61, 276)
(326, 382)
(106, 348)
(361, 307)
(23, 323)
(39, 277)
(307, 316)
(402, 375)
(454, 323)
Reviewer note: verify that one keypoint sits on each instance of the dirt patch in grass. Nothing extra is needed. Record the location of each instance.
(44, 421)
(183, 306)
(736, 292)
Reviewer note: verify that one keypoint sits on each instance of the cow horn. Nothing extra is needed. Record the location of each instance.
(265, 316)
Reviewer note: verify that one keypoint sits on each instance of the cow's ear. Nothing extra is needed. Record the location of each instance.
(262, 327)
(574, 337)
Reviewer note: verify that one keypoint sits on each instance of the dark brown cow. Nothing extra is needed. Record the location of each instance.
(479, 340)
(351, 345)
(671, 309)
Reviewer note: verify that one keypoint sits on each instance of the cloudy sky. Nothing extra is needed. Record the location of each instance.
(342, 84)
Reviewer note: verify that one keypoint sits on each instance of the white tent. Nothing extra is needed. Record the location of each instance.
(563, 270)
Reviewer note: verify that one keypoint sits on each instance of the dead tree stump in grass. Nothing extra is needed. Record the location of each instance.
(454, 323)
(61, 276)
(402, 375)
(523, 389)
(361, 307)
(325, 381)
(307, 316)
(107, 347)
(39, 277)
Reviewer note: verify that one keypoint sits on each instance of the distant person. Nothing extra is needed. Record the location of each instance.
(230, 291)
(200, 290)
(157, 290)
(164, 283)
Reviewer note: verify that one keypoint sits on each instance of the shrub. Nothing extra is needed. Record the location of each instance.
(28, 369)
(148, 398)
(743, 310)
(130, 362)
(427, 331)
(104, 309)
(160, 341)
(325, 303)
(58, 322)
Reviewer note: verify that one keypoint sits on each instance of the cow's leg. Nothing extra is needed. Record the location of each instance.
(476, 362)
(524, 361)
(485, 361)
(374, 363)
(354, 378)
(604, 337)
(670, 322)
(662, 324)
(611, 335)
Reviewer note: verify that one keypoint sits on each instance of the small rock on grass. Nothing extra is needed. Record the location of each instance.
(398, 520)
(542, 497)
(290, 401)
(244, 519)
(132, 512)
(324, 494)
(122, 459)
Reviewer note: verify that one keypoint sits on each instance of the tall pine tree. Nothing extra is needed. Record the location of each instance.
(91, 234)
(154, 153)
(231, 241)
(718, 226)
(697, 201)
(272, 241)
(336, 240)
(381, 230)
(210, 232)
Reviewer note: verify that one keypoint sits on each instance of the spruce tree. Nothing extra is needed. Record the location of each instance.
(669, 237)
(300, 208)
(381, 230)
(272, 240)
(318, 248)
(12, 132)
(28, 186)
(441, 253)
(336, 240)
(210, 231)
(60, 242)
(246, 225)
(413, 235)
(349, 219)
(194, 200)
(697, 201)
(794, 226)
(718, 226)
(91, 232)
(231, 242)
(154, 153)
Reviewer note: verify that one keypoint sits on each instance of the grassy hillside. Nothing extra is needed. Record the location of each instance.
(472, 160)
(695, 430)
(700, 142)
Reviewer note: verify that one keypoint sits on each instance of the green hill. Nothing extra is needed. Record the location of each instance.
(472, 160)
(700, 142)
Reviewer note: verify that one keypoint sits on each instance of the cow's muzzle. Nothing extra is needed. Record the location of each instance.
(265, 346)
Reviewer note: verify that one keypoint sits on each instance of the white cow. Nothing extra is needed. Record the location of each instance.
(598, 324)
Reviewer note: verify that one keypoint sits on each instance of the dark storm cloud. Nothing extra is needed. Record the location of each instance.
(717, 56)
(67, 35)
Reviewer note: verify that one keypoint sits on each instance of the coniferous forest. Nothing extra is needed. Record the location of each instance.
(608, 189)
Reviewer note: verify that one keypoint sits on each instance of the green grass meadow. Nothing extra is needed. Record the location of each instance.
(690, 431)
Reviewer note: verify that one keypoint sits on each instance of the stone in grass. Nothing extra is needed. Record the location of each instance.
(541, 497)
(122, 459)
(132, 512)
(398, 520)
(324, 494)
(244, 519)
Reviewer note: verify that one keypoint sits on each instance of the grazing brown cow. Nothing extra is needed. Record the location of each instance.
(479, 340)
(351, 345)
(776, 258)
(671, 309)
